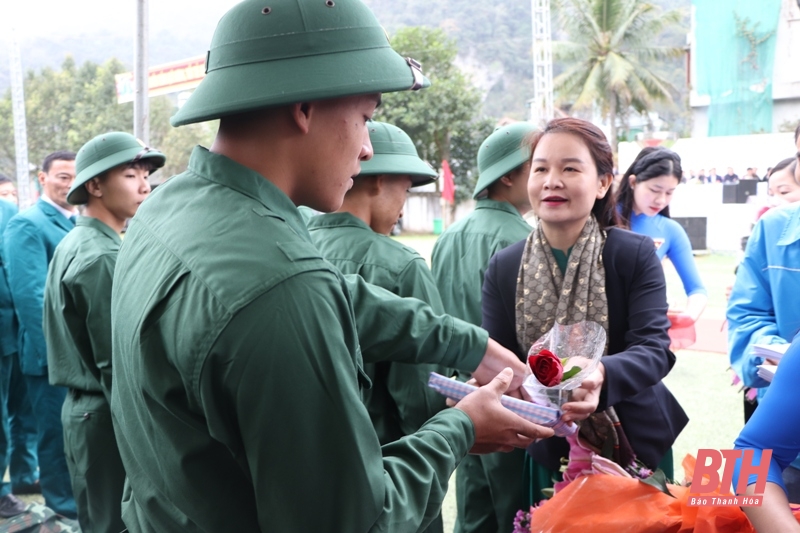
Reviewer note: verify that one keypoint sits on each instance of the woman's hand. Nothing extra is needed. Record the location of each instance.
(586, 397)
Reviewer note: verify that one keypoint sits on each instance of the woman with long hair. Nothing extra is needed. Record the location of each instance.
(643, 201)
(576, 265)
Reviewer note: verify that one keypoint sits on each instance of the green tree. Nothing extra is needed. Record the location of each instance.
(443, 118)
(66, 108)
(609, 54)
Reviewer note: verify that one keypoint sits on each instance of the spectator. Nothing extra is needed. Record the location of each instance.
(730, 176)
(29, 241)
(713, 177)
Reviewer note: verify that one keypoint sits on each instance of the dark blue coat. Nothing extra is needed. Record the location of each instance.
(638, 347)
(29, 240)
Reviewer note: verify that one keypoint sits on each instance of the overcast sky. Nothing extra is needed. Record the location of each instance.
(76, 17)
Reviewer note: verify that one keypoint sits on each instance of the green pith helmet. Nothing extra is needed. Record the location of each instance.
(105, 152)
(273, 52)
(502, 152)
(395, 153)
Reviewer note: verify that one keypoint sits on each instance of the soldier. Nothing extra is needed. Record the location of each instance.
(238, 350)
(29, 241)
(355, 239)
(488, 487)
(112, 182)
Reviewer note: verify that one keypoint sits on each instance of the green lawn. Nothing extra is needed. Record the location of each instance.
(700, 380)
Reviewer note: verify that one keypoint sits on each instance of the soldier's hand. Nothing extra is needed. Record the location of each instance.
(496, 428)
(494, 361)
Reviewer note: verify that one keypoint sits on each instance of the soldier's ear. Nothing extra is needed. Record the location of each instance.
(301, 114)
(93, 188)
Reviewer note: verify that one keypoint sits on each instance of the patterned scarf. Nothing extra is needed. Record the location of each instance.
(579, 294)
(545, 296)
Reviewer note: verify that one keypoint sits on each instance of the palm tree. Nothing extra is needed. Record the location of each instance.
(610, 54)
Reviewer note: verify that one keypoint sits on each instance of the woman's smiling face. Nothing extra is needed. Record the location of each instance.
(564, 183)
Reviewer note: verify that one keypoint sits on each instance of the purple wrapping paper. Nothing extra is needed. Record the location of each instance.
(538, 414)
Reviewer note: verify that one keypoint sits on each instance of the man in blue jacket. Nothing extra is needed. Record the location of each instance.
(29, 241)
(18, 430)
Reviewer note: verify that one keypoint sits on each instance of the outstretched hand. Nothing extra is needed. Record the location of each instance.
(494, 361)
(496, 428)
(585, 398)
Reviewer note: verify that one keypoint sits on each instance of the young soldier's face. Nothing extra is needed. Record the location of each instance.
(339, 130)
(8, 192)
(123, 190)
(57, 181)
(389, 207)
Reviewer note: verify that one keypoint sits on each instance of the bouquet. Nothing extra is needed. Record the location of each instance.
(561, 359)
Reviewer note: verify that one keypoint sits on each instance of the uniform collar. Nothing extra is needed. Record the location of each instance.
(102, 227)
(791, 230)
(228, 173)
(342, 219)
(486, 203)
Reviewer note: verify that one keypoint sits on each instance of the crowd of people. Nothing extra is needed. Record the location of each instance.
(239, 364)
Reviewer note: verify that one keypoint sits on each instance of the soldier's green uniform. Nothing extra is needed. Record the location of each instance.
(399, 401)
(239, 351)
(244, 366)
(488, 487)
(77, 326)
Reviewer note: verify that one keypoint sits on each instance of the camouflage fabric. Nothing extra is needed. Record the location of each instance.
(39, 519)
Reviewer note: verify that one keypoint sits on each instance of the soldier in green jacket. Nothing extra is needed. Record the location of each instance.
(356, 240)
(112, 171)
(488, 487)
(238, 350)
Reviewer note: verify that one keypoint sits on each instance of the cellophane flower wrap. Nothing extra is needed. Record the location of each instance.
(580, 345)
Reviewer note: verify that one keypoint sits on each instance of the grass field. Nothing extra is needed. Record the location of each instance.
(700, 381)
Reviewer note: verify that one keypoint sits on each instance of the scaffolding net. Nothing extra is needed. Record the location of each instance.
(735, 53)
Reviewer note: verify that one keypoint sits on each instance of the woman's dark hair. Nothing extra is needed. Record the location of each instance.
(790, 164)
(652, 162)
(594, 139)
(4, 179)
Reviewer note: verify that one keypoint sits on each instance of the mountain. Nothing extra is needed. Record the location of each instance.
(494, 41)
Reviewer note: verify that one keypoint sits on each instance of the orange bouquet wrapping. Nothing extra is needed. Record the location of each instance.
(603, 503)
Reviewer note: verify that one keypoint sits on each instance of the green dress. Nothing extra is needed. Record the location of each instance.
(489, 488)
(238, 368)
(77, 328)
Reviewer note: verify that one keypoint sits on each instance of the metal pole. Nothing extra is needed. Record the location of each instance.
(542, 108)
(141, 102)
(20, 127)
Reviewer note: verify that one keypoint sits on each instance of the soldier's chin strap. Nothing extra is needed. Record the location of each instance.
(416, 70)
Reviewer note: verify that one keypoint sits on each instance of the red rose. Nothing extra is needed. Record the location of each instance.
(546, 367)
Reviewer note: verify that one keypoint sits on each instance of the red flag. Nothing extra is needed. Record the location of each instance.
(449, 187)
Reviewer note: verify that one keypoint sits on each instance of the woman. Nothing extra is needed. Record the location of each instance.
(783, 186)
(643, 202)
(775, 426)
(577, 266)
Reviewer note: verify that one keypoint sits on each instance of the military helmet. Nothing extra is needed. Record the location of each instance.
(105, 152)
(395, 153)
(274, 52)
(502, 152)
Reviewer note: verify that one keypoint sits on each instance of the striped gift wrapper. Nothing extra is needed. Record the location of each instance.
(538, 414)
